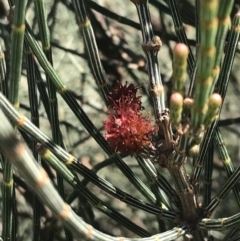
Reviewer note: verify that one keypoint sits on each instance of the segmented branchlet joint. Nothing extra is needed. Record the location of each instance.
(158, 153)
(154, 45)
(164, 144)
(166, 128)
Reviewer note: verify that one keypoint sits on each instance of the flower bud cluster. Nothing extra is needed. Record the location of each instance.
(128, 130)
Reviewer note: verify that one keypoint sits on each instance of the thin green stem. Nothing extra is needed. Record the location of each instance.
(221, 88)
(205, 63)
(226, 160)
(92, 49)
(84, 192)
(32, 91)
(180, 32)
(208, 175)
(151, 46)
(54, 120)
(17, 36)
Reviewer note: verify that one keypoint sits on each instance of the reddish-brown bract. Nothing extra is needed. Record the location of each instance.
(128, 131)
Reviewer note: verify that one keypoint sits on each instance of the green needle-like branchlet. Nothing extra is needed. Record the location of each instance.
(226, 160)
(151, 46)
(92, 49)
(17, 35)
(18, 29)
(208, 170)
(222, 85)
(224, 23)
(223, 80)
(152, 174)
(231, 233)
(220, 223)
(53, 105)
(62, 170)
(180, 32)
(206, 57)
(42, 23)
(54, 120)
(225, 189)
(33, 100)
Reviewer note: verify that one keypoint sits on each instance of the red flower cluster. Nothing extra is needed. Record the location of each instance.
(128, 131)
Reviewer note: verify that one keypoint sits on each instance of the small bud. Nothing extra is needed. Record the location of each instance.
(176, 101)
(176, 104)
(180, 52)
(214, 103)
(187, 103)
(193, 151)
(198, 135)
